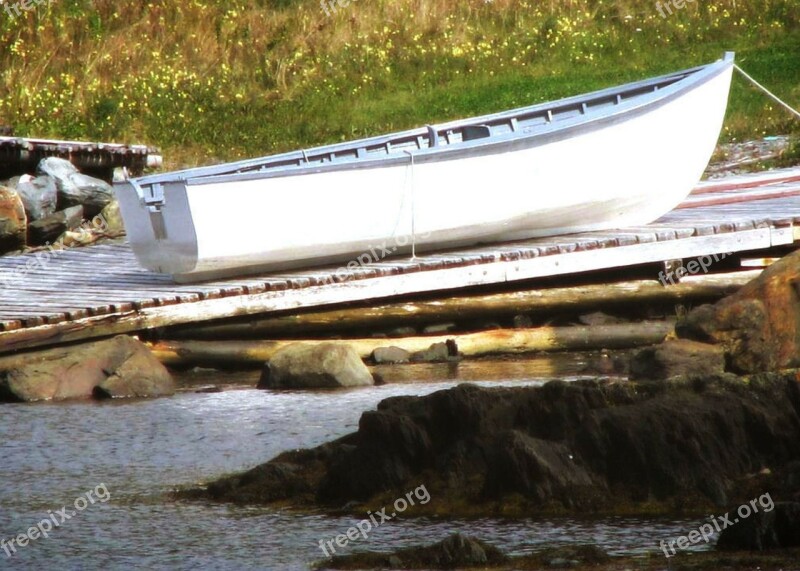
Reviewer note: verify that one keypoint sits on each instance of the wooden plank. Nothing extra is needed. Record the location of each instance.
(730, 198)
(741, 182)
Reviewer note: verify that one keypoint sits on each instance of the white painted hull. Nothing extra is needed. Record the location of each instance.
(626, 173)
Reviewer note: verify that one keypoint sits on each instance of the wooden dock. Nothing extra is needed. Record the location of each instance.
(19, 155)
(82, 293)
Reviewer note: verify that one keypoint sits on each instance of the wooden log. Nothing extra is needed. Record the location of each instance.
(540, 301)
(497, 341)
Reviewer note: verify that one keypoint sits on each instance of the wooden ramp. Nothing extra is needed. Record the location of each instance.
(81, 293)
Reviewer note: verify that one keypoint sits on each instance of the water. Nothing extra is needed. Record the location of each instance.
(54, 453)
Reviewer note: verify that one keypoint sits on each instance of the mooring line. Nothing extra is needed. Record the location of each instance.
(767, 91)
(413, 213)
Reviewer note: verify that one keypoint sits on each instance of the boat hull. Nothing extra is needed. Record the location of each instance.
(626, 170)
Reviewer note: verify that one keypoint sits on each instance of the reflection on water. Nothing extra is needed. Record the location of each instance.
(53, 453)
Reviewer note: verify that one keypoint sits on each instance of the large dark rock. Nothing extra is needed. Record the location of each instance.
(118, 367)
(599, 446)
(309, 366)
(774, 526)
(759, 325)
(75, 188)
(48, 229)
(455, 552)
(677, 357)
(12, 220)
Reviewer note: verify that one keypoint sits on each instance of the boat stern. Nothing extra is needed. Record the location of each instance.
(159, 225)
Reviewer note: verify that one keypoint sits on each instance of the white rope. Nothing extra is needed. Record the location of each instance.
(767, 91)
(413, 213)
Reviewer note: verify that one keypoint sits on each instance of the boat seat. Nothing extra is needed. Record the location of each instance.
(472, 132)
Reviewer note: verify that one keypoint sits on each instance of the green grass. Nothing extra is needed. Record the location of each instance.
(211, 80)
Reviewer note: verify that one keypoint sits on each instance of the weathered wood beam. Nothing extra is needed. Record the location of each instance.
(498, 341)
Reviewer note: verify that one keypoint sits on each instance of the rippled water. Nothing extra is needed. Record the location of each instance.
(53, 453)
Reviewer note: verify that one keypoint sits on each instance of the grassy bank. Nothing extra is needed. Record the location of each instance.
(215, 80)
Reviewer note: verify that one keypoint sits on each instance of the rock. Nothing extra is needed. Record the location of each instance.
(13, 221)
(109, 221)
(118, 367)
(562, 563)
(120, 174)
(39, 196)
(263, 484)
(48, 229)
(323, 365)
(759, 325)
(390, 355)
(570, 556)
(211, 389)
(599, 318)
(777, 528)
(677, 357)
(538, 468)
(603, 363)
(79, 237)
(436, 353)
(576, 447)
(139, 375)
(438, 328)
(455, 552)
(523, 321)
(403, 332)
(75, 188)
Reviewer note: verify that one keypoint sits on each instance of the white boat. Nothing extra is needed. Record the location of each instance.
(618, 157)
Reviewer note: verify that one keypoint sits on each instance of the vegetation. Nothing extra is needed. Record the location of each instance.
(210, 80)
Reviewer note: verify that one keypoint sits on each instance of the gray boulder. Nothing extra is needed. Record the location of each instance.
(139, 375)
(311, 366)
(39, 196)
(118, 367)
(76, 188)
(390, 355)
(437, 353)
